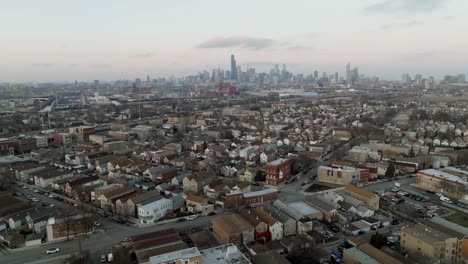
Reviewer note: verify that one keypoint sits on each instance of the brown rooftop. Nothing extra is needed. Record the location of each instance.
(359, 191)
(232, 223)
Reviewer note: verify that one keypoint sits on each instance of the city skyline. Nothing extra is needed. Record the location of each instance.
(385, 38)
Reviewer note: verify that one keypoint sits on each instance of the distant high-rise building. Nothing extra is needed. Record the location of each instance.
(348, 73)
(336, 77)
(461, 78)
(405, 78)
(96, 83)
(148, 80)
(233, 68)
(138, 82)
(315, 74)
(355, 75)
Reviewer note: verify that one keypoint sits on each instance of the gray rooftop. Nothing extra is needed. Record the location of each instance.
(225, 254)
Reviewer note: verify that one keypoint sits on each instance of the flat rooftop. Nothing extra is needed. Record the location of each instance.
(303, 208)
(184, 254)
(225, 254)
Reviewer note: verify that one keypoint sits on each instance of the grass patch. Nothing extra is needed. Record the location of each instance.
(458, 219)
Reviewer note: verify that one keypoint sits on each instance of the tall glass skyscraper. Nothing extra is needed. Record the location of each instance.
(233, 68)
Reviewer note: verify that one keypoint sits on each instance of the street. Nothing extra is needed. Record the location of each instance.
(98, 244)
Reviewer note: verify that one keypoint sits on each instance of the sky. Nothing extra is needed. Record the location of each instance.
(57, 40)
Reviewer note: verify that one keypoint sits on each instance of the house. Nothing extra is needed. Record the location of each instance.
(261, 228)
(232, 228)
(248, 175)
(131, 204)
(277, 171)
(44, 178)
(178, 180)
(275, 227)
(195, 183)
(71, 185)
(260, 197)
(246, 152)
(198, 204)
(161, 173)
(106, 200)
(153, 209)
(329, 212)
(289, 224)
(369, 198)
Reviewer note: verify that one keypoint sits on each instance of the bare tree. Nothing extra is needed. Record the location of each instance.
(5, 181)
(65, 214)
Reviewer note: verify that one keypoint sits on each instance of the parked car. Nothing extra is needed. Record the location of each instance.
(191, 217)
(445, 199)
(103, 259)
(52, 250)
(182, 219)
(45, 204)
(97, 224)
(35, 200)
(211, 213)
(395, 189)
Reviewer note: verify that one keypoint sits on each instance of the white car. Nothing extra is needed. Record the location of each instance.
(191, 217)
(35, 200)
(52, 250)
(97, 224)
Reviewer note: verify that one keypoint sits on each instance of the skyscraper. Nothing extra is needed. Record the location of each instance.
(233, 68)
(315, 74)
(348, 73)
(355, 75)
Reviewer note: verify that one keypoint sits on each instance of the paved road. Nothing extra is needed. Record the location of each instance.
(100, 243)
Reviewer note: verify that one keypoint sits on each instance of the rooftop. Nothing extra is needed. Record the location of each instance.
(443, 175)
(359, 191)
(277, 161)
(303, 208)
(225, 254)
(184, 254)
(261, 192)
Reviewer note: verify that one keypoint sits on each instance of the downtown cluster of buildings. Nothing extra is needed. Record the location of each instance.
(273, 177)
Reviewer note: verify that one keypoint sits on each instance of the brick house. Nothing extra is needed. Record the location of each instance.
(277, 171)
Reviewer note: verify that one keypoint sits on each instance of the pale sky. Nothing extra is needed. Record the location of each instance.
(60, 40)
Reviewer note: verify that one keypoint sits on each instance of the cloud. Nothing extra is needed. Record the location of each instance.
(448, 18)
(43, 64)
(403, 25)
(300, 47)
(405, 6)
(420, 56)
(143, 55)
(101, 66)
(239, 42)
